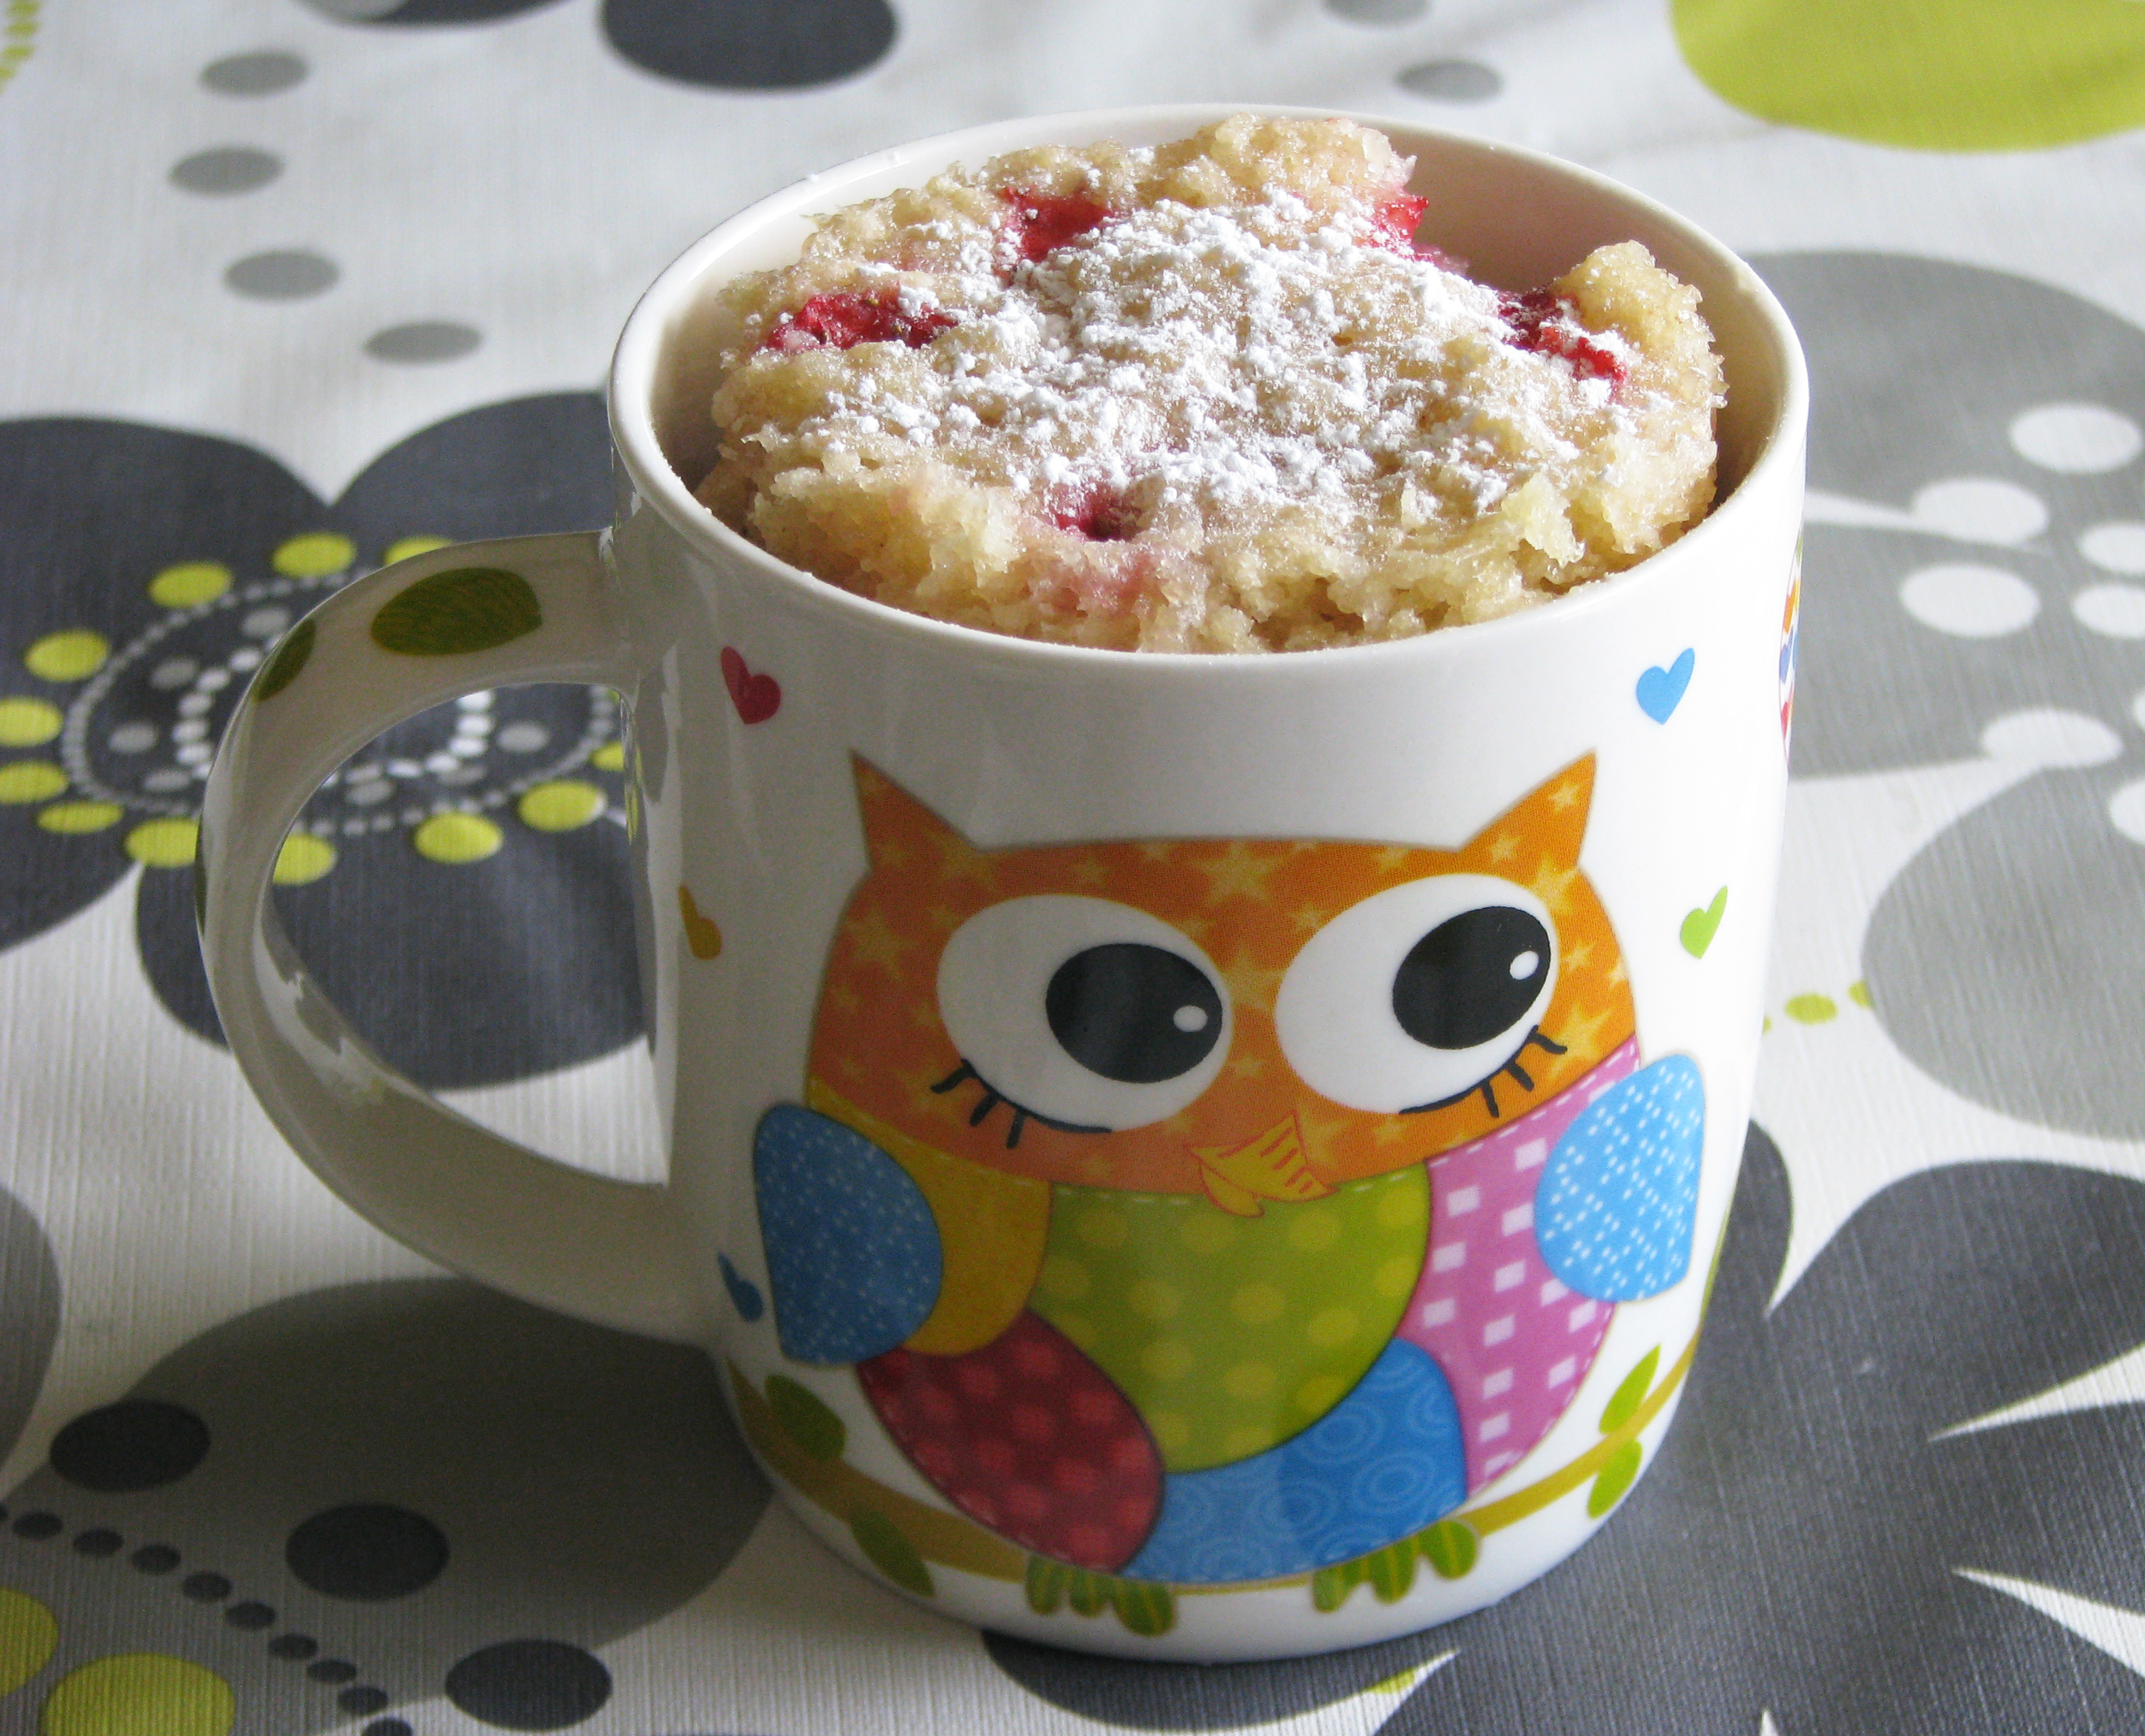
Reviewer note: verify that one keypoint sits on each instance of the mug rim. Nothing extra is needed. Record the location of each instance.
(630, 391)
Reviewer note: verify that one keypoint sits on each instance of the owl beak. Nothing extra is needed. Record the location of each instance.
(1238, 1178)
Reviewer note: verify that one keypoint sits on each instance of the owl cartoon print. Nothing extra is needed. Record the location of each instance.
(1209, 1212)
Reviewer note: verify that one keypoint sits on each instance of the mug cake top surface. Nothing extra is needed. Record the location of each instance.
(1210, 396)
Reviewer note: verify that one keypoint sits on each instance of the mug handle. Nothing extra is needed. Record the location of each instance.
(382, 649)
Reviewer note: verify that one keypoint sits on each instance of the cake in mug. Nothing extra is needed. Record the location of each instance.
(1210, 396)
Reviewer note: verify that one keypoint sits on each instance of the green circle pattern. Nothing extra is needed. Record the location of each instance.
(1230, 1335)
(456, 612)
(284, 663)
(1961, 75)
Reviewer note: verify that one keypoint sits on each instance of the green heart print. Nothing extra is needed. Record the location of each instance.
(1700, 926)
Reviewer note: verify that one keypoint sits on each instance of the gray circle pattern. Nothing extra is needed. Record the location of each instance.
(409, 1395)
(263, 73)
(423, 341)
(2007, 959)
(30, 1305)
(1378, 12)
(285, 274)
(225, 169)
(1452, 81)
(1925, 365)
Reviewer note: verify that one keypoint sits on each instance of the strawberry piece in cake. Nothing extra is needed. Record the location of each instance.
(838, 321)
(1545, 323)
(1097, 513)
(1393, 221)
(1039, 223)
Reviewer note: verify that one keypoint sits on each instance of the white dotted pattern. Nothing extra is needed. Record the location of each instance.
(2116, 548)
(2126, 809)
(2048, 738)
(2076, 439)
(1969, 601)
(1981, 509)
(2116, 611)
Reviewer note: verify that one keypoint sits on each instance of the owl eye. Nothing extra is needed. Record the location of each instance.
(1418, 994)
(1133, 1013)
(1465, 982)
(1083, 1012)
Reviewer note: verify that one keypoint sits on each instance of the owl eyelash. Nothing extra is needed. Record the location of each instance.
(992, 1097)
(1487, 1088)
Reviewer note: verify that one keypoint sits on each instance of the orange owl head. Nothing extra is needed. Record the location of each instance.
(1251, 1019)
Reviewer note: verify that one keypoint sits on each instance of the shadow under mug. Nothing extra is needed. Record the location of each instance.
(1200, 1157)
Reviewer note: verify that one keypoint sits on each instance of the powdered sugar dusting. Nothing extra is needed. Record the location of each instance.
(1239, 422)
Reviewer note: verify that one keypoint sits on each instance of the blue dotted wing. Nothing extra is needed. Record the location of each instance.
(852, 1252)
(1617, 1205)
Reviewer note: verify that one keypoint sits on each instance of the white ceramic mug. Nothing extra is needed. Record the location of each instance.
(1195, 1157)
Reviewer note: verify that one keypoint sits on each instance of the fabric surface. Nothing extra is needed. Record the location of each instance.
(297, 286)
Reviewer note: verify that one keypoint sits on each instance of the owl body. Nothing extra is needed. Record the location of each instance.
(1179, 1202)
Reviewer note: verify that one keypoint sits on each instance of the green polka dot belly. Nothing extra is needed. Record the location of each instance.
(1229, 1333)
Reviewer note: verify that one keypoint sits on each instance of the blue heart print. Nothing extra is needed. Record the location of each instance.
(1661, 690)
(744, 1294)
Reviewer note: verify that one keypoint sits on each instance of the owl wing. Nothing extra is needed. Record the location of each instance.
(1028, 1438)
(1617, 1205)
(853, 1255)
(875, 1240)
(992, 1225)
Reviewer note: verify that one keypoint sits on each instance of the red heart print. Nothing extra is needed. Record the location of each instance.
(757, 698)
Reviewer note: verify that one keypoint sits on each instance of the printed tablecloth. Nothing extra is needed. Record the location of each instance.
(294, 285)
